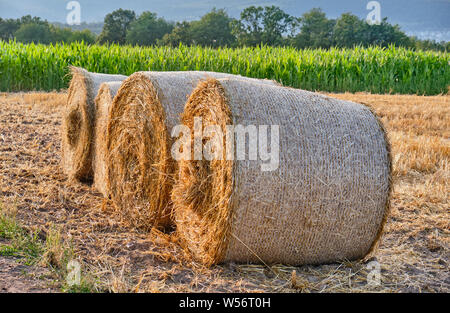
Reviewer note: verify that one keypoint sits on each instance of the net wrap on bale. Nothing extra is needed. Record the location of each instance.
(78, 122)
(103, 103)
(326, 201)
(140, 167)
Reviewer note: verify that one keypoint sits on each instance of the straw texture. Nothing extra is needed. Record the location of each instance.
(327, 201)
(78, 122)
(140, 167)
(103, 103)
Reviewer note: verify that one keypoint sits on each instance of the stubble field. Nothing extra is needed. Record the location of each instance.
(413, 254)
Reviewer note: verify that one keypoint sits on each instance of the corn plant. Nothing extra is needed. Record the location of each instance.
(25, 67)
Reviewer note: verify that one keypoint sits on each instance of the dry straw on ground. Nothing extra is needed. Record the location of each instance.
(413, 254)
(140, 167)
(103, 103)
(78, 122)
(327, 201)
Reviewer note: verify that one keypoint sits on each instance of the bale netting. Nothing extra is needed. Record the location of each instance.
(140, 167)
(103, 103)
(78, 122)
(326, 201)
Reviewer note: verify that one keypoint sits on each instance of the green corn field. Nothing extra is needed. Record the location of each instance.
(26, 67)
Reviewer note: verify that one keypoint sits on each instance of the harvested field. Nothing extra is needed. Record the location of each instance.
(18, 278)
(413, 253)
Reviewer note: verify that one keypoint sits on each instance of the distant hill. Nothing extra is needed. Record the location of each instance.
(425, 17)
(96, 28)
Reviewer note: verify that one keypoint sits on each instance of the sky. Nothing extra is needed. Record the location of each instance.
(417, 16)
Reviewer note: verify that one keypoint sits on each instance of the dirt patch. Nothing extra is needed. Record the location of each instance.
(412, 256)
(19, 278)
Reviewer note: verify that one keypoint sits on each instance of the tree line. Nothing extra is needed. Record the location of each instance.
(29, 29)
(268, 25)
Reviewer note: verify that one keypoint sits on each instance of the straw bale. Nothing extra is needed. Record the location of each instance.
(78, 122)
(327, 201)
(140, 167)
(103, 103)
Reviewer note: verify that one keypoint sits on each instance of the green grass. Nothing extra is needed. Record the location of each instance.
(19, 243)
(378, 70)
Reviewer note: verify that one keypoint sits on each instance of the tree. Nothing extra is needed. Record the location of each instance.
(116, 26)
(276, 23)
(27, 19)
(59, 34)
(349, 31)
(83, 35)
(384, 34)
(147, 29)
(33, 32)
(259, 25)
(429, 44)
(249, 29)
(316, 30)
(213, 29)
(8, 27)
(181, 34)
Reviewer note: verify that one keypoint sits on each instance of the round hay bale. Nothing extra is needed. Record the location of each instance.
(79, 120)
(103, 103)
(326, 201)
(140, 167)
